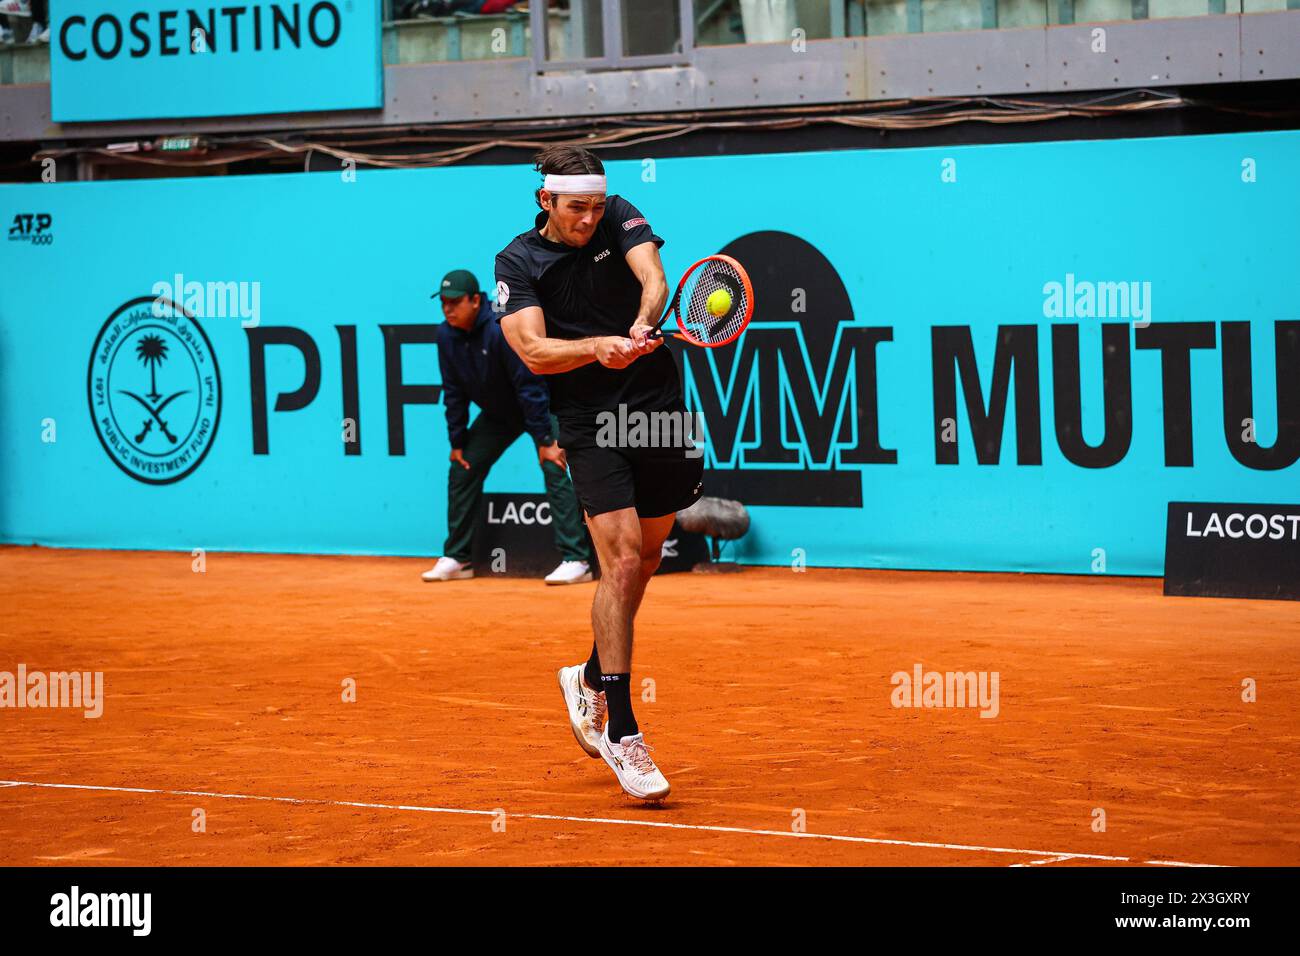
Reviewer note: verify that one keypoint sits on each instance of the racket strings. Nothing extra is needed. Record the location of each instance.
(694, 316)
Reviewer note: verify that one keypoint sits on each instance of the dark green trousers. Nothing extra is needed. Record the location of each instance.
(485, 442)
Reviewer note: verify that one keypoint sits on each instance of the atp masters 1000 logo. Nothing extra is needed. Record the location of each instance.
(154, 390)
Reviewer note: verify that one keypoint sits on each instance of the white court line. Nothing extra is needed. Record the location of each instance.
(699, 827)
(1054, 859)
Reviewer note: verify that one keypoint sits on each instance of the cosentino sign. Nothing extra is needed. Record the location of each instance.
(200, 32)
(151, 59)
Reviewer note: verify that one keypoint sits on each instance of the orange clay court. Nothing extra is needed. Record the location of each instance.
(772, 696)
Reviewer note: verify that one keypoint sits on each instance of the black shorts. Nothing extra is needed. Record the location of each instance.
(654, 481)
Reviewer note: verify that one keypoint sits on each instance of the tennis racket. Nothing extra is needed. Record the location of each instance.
(696, 322)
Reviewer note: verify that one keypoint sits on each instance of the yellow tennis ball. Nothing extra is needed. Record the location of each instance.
(719, 301)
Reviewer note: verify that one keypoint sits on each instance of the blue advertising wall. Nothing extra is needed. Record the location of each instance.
(150, 59)
(923, 246)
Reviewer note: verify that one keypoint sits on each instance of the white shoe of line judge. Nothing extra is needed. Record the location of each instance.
(449, 569)
(570, 572)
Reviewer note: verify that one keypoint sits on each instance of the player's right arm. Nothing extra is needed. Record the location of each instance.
(525, 330)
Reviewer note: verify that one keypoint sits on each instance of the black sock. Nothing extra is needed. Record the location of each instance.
(591, 673)
(618, 696)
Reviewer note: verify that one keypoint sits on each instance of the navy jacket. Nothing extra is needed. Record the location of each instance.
(479, 366)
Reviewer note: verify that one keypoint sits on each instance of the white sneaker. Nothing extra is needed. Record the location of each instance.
(586, 708)
(6, 35)
(39, 34)
(570, 572)
(448, 569)
(631, 763)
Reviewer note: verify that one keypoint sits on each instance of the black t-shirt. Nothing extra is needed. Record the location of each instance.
(585, 292)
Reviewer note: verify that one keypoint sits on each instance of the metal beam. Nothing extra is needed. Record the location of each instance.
(687, 21)
(1255, 47)
(611, 28)
(537, 26)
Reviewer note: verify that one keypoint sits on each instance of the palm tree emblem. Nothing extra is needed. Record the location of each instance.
(152, 350)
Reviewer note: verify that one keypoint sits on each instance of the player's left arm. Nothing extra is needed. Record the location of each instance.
(645, 264)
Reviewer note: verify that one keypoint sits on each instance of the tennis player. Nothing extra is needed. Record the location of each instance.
(577, 295)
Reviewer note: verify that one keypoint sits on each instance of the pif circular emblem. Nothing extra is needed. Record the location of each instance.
(154, 390)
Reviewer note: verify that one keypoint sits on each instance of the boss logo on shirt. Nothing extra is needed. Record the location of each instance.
(600, 255)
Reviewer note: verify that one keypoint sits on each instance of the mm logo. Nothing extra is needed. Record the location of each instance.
(34, 227)
(790, 409)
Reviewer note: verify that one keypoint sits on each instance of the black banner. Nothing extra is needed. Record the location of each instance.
(513, 538)
(982, 907)
(1232, 550)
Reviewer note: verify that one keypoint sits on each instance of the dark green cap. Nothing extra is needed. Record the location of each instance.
(456, 283)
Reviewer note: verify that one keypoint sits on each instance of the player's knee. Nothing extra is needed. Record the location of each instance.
(623, 569)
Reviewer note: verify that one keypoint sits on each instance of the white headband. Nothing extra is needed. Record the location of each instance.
(579, 185)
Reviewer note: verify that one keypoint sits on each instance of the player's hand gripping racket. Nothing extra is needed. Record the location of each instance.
(712, 304)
